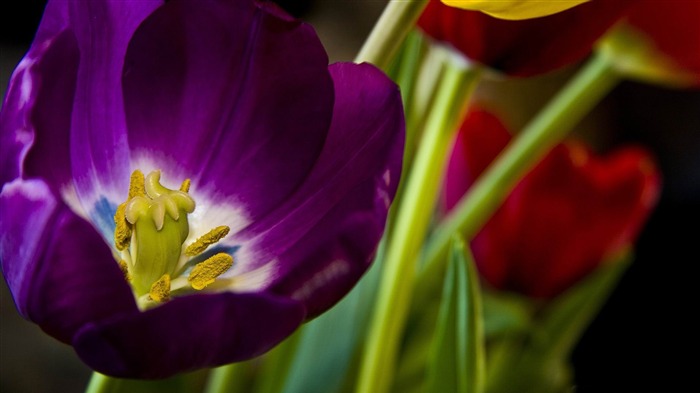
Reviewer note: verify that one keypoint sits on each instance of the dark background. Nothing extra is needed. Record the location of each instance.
(644, 340)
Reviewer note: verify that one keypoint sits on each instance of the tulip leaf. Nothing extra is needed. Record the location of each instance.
(568, 316)
(457, 362)
(232, 378)
(539, 363)
(182, 383)
(506, 313)
(327, 344)
(277, 365)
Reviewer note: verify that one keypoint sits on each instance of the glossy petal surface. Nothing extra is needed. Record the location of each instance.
(321, 240)
(242, 107)
(188, 333)
(38, 104)
(299, 159)
(98, 144)
(60, 272)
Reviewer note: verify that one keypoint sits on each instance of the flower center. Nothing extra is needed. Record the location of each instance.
(150, 233)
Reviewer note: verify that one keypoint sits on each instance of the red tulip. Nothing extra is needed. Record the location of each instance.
(523, 47)
(515, 9)
(563, 219)
(660, 42)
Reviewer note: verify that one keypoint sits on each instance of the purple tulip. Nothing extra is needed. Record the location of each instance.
(292, 165)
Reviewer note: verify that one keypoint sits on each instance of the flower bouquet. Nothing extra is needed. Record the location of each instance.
(194, 200)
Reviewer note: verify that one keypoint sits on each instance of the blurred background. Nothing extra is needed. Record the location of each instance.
(646, 337)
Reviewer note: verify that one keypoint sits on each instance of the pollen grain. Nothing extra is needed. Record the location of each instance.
(122, 229)
(160, 290)
(185, 187)
(137, 185)
(206, 272)
(124, 267)
(207, 240)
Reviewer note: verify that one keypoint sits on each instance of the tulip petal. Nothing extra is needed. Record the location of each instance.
(673, 28)
(515, 9)
(321, 240)
(573, 214)
(63, 118)
(658, 43)
(486, 133)
(572, 211)
(523, 47)
(99, 148)
(233, 95)
(35, 117)
(60, 272)
(188, 333)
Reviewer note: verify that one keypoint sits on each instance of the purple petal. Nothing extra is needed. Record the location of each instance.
(50, 114)
(35, 117)
(99, 147)
(322, 239)
(60, 272)
(188, 333)
(235, 97)
(63, 115)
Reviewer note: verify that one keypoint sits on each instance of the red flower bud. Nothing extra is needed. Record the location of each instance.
(563, 219)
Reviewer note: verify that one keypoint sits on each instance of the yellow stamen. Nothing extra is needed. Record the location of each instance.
(185, 187)
(122, 230)
(206, 272)
(125, 269)
(137, 184)
(207, 240)
(160, 290)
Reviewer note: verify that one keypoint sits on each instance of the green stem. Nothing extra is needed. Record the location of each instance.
(547, 129)
(100, 383)
(422, 97)
(388, 33)
(412, 219)
(228, 379)
(409, 62)
(276, 365)
(426, 70)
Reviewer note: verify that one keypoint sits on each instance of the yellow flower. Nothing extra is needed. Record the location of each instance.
(515, 9)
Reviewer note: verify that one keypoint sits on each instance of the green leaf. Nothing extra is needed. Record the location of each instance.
(568, 316)
(506, 314)
(277, 365)
(232, 378)
(539, 363)
(457, 354)
(328, 344)
(183, 383)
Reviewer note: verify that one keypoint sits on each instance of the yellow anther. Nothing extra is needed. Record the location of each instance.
(137, 184)
(185, 187)
(206, 272)
(207, 240)
(160, 290)
(124, 267)
(122, 229)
